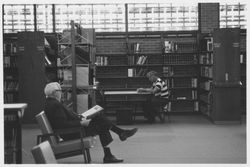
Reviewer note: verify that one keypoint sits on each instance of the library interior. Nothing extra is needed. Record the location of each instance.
(165, 82)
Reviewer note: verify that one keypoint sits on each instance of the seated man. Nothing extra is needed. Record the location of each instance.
(160, 94)
(60, 117)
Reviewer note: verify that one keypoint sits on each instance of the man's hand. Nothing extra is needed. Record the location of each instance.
(85, 122)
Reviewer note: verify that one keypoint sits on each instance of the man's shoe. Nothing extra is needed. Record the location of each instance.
(127, 133)
(111, 159)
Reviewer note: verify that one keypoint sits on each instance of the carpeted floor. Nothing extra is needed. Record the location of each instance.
(185, 140)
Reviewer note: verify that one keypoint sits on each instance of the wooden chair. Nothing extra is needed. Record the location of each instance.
(63, 149)
(165, 109)
(43, 154)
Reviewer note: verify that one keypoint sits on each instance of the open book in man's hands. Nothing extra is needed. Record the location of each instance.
(92, 112)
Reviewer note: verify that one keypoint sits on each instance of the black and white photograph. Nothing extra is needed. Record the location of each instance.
(124, 83)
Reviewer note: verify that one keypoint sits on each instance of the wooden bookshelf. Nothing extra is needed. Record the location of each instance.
(10, 55)
(13, 114)
(219, 86)
(130, 56)
(243, 66)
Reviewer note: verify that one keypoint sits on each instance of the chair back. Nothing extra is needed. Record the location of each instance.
(45, 126)
(43, 154)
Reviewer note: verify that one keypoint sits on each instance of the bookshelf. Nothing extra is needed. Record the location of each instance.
(122, 61)
(75, 68)
(243, 57)
(31, 69)
(13, 114)
(10, 54)
(219, 61)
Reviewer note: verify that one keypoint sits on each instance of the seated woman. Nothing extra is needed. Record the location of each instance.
(60, 117)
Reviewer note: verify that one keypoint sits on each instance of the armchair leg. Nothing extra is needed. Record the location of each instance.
(88, 155)
(84, 156)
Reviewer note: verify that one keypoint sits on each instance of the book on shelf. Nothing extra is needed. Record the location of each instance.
(194, 82)
(9, 48)
(92, 112)
(196, 106)
(207, 72)
(136, 47)
(194, 94)
(141, 60)
(168, 71)
(131, 72)
(241, 58)
(10, 117)
(131, 59)
(47, 61)
(9, 98)
(210, 44)
(11, 85)
(167, 46)
(142, 72)
(101, 60)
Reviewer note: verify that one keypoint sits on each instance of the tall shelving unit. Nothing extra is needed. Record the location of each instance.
(130, 56)
(75, 70)
(243, 57)
(220, 75)
(31, 69)
(10, 54)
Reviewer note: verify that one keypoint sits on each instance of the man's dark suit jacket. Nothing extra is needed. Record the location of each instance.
(59, 117)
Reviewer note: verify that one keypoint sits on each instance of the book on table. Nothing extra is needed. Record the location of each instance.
(92, 112)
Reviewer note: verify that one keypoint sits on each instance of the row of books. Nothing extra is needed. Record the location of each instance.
(172, 46)
(135, 48)
(206, 58)
(10, 98)
(133, 72)
(11, 85)
(180, 59)
(172, 84)
(178, 71)
(206, 85)
(168, 71)
(102, 61)
(9, 48)
(242, 58)
(207, 72)
(10, 117)
(194, 82)
(9, 61)
(210, 44)
(196, 106)
(140, 60)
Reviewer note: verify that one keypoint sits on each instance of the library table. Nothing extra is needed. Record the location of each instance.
(13, 132)
(126, 96)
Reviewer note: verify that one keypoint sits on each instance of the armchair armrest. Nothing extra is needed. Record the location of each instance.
(70, 130)
(58, 132)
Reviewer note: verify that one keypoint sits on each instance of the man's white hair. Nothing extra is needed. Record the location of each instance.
(50, 88)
